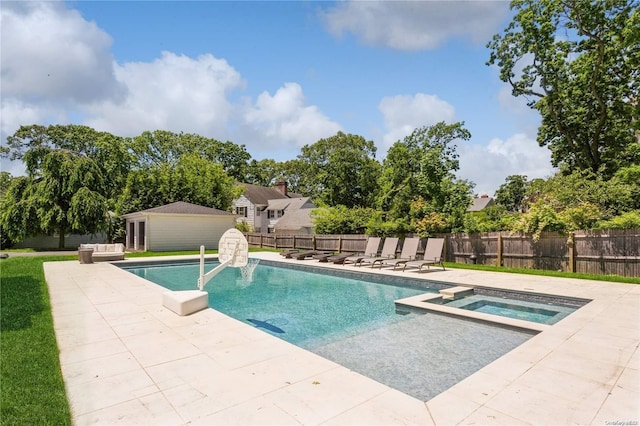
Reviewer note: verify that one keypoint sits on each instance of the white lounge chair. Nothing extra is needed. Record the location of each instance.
(432, 255)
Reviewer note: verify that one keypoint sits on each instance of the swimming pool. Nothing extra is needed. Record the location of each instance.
(352, 322)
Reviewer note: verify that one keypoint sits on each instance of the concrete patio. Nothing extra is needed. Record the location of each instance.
(128, 360)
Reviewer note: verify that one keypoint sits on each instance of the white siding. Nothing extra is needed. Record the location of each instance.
(186, 232)
(251, 211)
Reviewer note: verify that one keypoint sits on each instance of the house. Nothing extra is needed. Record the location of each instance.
(176, 226)
(481, 203)
(295, 222)
(262, 207)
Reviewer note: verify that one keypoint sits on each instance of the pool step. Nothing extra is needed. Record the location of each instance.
(456, 293)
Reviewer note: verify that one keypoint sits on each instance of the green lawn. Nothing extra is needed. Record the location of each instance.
(31, 389)
(610, 278)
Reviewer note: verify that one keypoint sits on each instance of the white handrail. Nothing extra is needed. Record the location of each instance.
(204, 278)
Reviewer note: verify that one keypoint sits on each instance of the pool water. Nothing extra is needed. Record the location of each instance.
(351, 322)
(543, 313)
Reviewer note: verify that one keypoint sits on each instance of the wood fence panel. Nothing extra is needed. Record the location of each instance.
(594, 252)
(608, 252)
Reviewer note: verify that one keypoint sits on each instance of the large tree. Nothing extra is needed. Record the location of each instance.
(577, 63)
(421, 169)
(165, 147)
(110, 153)
(191, 179)
(63, 193)
(511, 194)
(340, 170)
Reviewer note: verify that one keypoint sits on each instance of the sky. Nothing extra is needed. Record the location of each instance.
(271, 75)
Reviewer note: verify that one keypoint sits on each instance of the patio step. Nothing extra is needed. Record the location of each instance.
(455, 293)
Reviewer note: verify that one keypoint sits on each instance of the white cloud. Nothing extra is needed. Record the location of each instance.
(51, 52)
(489, 165)
(405, 113)
(174, 93)
(57, 68)
(415, 25)
(285, 119)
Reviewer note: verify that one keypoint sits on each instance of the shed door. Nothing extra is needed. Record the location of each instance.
(141, 236)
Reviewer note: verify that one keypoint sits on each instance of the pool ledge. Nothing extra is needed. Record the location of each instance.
(429, 302)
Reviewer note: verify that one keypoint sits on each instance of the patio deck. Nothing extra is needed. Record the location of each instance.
(126, 359)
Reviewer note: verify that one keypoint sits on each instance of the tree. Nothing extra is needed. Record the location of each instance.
(340, 170)
(110, 153)
(577, 63)
(192, 179)
(264, 172)
(512, 192)
(165, 147)
(62, 194)
(341, 220)
(421, 169)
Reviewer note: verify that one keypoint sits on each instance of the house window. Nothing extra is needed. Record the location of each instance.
(271, 214)
(242, 211)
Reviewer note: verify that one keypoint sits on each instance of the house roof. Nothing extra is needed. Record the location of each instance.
(480, 203)
(288, 204)
(260, 195)
(295, 220)
(181, 207)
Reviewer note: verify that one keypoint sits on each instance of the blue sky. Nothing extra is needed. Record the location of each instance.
(273, 76)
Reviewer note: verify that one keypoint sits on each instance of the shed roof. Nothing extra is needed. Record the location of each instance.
(182, 207)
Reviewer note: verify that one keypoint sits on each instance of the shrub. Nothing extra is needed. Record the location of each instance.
(628, 220)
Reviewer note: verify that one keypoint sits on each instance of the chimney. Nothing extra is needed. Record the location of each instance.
(281, 186)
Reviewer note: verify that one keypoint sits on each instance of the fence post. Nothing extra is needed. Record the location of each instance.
(294, 241)
(313, 241)
(340, 244)
(572, 251)
(445, 249)
(499, 250)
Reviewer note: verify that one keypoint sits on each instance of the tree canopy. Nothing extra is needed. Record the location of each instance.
(418, 175)
(63, 194)
(340, 170)
(577, 64)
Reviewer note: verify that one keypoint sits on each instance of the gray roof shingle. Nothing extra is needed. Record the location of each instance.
(181, 207)
(260, 195)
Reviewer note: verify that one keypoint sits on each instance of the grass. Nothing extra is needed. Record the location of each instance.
(609, 278)
(31, 390)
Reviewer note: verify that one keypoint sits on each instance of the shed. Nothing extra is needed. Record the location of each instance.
(176, 226)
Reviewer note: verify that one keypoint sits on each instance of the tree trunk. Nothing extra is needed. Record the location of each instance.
(61, 239)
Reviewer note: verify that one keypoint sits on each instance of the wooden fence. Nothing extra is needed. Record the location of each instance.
(613, 252)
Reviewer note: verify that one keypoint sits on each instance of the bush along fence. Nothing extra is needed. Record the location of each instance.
(613, 252)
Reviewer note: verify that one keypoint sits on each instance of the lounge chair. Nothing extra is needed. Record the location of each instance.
(370, 250)
(388, 252)
(309, 253)
(288, 253)
(331, 257)
(432, 255)
(339, 258)
(409, 252)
